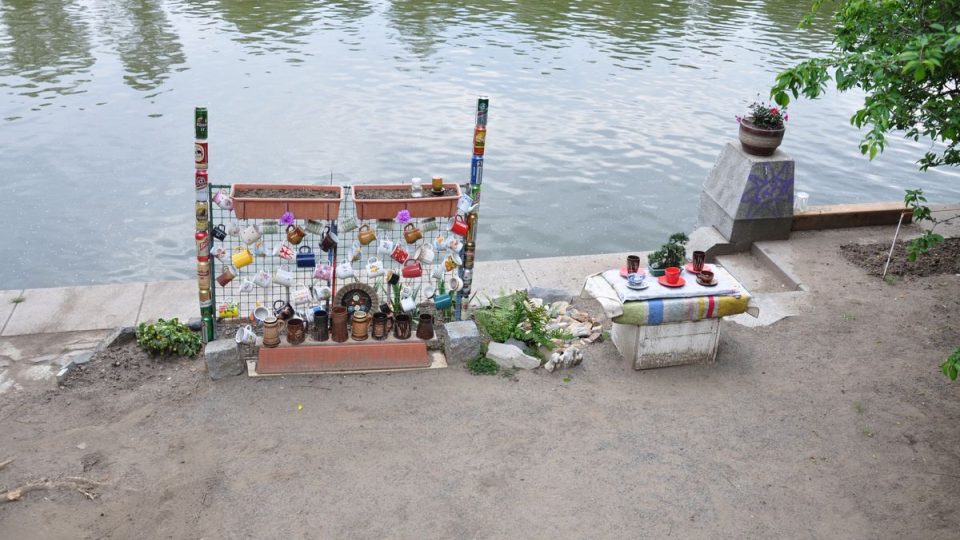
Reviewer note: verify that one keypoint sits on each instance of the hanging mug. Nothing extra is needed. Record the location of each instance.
(411, 233)
(348, 224)
(226, 276)
(412, 269)
(453, 244)
(250, 234)
(219, 252)
(284, 251)
(328, 240)
(459, 226)
(408, 304)
(305, 258)
(228, 309)
(345, 270)
(464, 204)
(302, 295)
(425, 254)
(374, 267)
(384, 247)
(438, 272)
(429, 291)
(442, 301)
(283, 276)
(223, 200)
(295, 233)
(246, 286)
(233, 229)
(270, 227)
(399, 254)
(313, 226)
(455, 283)
(429, 225)
(323, 272)
(322, 292)
(283, 310)
(385, 224)
(440, 243)
(366, 235)
(262, 279)
(241, 257)
(260, 314)
(450, 264)
(246, 336)
(356, 252)
(220, 232)
(260, 250)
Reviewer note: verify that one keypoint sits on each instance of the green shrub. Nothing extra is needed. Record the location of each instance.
(168, 337)
(483, 366)
(515, 316)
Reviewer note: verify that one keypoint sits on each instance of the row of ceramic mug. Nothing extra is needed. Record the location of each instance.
(251, 233)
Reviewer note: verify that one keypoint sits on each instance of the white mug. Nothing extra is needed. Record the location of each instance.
(233, 229)
(246, 336)
(453, 244)
(374, 267)
(322, 292)
(408, 304)
(429, 291)
(219, 252)
(283, 276)
(250, 234)
(262, 279)
(356, 251)
(384, 247)
(302, 295)
(345, 270)
(425, 254)
(246, 285)
(260, 313)
(438, 272)
(455, 283)
(223, 200)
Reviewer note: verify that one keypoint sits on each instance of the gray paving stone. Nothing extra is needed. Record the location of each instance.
(169, 299)
(223, 359)
(461, 341)
(76, 308)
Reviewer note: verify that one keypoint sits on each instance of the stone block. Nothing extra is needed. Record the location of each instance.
(223, 359)
(461, 341)
(510, 356)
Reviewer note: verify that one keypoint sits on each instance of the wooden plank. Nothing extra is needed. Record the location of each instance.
(842, 216)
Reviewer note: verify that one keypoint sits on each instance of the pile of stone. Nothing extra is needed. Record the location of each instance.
(582, 328)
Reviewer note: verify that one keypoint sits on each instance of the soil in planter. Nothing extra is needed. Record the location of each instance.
(943, 259)
(402, 193)
(286, 194)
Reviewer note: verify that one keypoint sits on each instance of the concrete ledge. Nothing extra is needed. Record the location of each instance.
(842, 216)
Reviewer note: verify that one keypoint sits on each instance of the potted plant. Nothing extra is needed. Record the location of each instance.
(384, 201)
(673, 253)
(266, 201)
(761, 131)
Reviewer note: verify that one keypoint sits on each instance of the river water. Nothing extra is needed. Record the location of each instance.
(605, 117)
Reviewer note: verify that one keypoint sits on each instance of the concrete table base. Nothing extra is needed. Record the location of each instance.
(674, 344)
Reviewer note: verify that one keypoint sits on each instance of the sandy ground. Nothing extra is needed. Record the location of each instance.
(833, 424)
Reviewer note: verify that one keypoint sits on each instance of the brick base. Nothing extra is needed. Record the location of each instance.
(348, 356)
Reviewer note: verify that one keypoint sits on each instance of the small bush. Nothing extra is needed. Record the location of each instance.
(168, 337)
(483, 366)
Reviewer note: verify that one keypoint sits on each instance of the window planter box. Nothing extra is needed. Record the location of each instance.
(304, 207)
(426, 206)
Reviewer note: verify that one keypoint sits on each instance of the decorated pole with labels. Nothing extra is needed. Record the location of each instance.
(203, 236)
(468, 253)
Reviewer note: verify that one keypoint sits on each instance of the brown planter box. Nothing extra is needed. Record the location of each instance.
(257, 208)
(313, 357)
(426, 206)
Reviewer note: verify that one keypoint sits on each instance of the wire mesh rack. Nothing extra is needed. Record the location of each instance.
(358, 269)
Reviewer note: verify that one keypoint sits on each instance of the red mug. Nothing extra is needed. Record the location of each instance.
(411, 269)
(673, 275)
(459, 226)
(399, 254)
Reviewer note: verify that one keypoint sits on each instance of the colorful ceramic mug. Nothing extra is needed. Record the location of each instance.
(366, 235)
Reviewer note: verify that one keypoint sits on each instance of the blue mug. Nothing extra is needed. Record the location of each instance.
(443, 301)
(306, 258)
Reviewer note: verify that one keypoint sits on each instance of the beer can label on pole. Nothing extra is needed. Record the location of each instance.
(471, 229)
(469, 253)
(203, 245)
(208, 331)
(201, 181)
(476, 170)
(200, 120)
(202, 210)
(483, 107)
(479, 140)
(200, 155)
(206, 299)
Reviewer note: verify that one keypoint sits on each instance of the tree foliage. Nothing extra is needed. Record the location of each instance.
(905, 55)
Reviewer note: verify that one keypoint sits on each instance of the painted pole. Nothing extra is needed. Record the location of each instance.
(203, 235)
(468, 252)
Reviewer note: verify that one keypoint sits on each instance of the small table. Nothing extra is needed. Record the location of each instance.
(662, 326)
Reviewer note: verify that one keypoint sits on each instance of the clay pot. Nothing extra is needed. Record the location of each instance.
(759, 141)
(296, 331)
(321, 325)
(401, 326)
(360, 326)
(381, 326)
(425, 327)
(338, 324)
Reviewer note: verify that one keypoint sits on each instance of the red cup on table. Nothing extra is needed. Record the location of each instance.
(673, 275)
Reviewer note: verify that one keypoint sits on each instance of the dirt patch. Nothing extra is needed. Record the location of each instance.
(943, 259)
(286, 194)
(406, 193)
(122, 368)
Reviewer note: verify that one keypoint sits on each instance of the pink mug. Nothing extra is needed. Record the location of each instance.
(324, 272)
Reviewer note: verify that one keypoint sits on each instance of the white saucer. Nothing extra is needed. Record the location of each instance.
(640, 287)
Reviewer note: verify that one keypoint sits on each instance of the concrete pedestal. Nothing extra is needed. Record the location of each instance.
(674, 344)
(748, 198)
